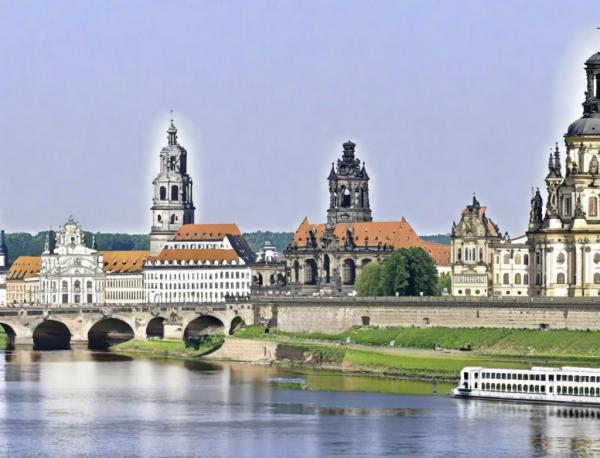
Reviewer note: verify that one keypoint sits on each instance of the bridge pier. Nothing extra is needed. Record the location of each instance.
(173, 331)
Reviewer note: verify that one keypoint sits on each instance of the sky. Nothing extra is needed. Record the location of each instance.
(443, 99)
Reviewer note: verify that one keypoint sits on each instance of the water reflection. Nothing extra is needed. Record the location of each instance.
(83, 403)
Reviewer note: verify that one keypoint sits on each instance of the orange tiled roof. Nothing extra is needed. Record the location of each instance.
(392, 234)
(195, 255)
(24, 267)
(124, 261)
(206, 231)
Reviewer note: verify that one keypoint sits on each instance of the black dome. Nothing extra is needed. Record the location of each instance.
(594, 60)
(585, 126)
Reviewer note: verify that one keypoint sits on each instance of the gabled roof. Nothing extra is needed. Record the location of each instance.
(24, 267)
(389, 234)
(124, 261)
(205, 232)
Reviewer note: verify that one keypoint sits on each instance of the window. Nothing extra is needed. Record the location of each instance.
(518, 259)
(567, 206)
(526, 259)
(593, 206)
(597, 278)
(163, 193)
(459, 255)
(517, 279)
(525, 279)
(560, 278)
(506, 259)
(506, 279)
(174, 192)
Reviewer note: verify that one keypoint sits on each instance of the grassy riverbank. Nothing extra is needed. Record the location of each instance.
(413, 353)
(483, 341)
(171, 348)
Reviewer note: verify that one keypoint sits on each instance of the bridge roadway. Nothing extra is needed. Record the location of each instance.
(56, 327)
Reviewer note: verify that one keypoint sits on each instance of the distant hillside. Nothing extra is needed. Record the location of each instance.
(280, 240)
(25, 244)
(438, 238)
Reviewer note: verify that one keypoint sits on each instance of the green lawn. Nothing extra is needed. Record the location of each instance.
(490, 341)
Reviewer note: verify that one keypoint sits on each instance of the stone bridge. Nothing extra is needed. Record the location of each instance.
(100, 326)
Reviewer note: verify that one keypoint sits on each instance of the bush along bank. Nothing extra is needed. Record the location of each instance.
(192, 348)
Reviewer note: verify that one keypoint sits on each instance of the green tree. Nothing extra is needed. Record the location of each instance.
(406, 272)
(444, 282)
(368, 282)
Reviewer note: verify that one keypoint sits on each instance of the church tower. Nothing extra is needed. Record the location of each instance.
(172, 204)
(348, 190)
(3, 253)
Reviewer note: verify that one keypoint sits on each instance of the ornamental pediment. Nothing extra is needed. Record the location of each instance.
(470, 226)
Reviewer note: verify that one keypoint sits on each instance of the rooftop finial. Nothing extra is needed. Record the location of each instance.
(172, 131)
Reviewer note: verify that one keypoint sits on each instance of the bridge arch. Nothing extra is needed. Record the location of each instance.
(203, 325)
(155, 329)
(10, 335)
(236, 323)
(108, 332)
(51, 335)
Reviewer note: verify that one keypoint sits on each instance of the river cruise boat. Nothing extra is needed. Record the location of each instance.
(549, 385)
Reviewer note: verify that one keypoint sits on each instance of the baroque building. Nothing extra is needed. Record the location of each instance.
(559, 254)
(327, 258)
(172, 203)
(70, 272)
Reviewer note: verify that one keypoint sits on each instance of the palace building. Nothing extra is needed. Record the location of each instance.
(559, 254)
(3, 268)
(202, 263)
(328, 257)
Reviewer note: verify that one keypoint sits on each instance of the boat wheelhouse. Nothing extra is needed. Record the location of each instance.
(568, 385)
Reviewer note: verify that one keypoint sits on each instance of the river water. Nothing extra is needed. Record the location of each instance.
(81, 403)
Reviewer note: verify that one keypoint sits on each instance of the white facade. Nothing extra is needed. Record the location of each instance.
(3, 269)
(71, 273)
(560, 253)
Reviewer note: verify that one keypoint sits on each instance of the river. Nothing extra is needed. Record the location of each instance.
(82, 403)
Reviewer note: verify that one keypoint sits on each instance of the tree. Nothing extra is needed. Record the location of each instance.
(368, 282)
(444, 282)
(406, 272)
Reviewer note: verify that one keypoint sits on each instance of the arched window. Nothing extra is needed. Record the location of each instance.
(597, 278)
(560, 278)
(517, 259)
(159, 218)
(593, 206)
(174, 192)
(163, 193)
(506, 279)
(526, 259)
(459, 255)
(517, 279)
(346, 197)
(310, 272)
(349, 272)
(173, 219)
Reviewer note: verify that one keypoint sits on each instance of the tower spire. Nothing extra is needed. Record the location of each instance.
(172, 132)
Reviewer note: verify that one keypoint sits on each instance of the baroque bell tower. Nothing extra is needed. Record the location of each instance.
(348, 189)
(172, 203)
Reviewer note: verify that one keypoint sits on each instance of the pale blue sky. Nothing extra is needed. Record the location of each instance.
(442, 98)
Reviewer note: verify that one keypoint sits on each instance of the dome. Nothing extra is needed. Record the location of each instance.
(585, 126)
(594, 60)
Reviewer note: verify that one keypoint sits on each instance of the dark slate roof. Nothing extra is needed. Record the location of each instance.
(241, 247)
(585, 126)
(595, 59)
